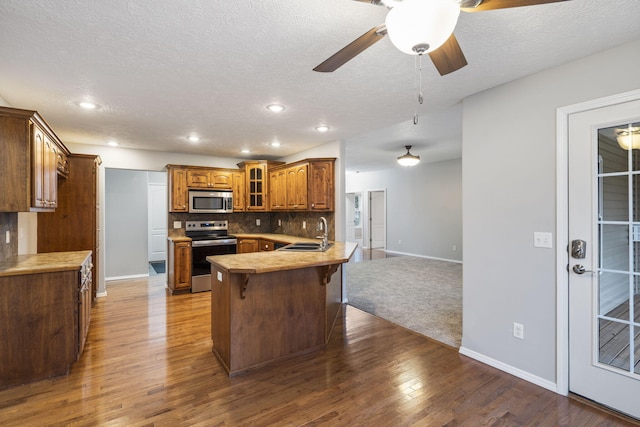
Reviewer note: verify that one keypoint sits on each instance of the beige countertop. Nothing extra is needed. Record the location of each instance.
(43, 263)
(265, 262)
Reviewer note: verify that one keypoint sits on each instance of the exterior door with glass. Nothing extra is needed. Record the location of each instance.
(604, 256)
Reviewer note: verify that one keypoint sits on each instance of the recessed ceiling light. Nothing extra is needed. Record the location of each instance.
(88, 105)
(194, 138)
(275, 108)
(245, 151)
(275, 144)
(322, 128)
(112, 143)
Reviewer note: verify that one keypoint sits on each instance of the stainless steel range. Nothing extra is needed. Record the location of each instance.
(207, 238)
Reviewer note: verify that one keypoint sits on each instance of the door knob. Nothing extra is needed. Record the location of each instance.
(579, 269)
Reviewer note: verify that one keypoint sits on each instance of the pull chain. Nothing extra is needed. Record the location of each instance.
(418, 84)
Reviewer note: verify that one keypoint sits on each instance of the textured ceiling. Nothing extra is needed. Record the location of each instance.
(163, 69)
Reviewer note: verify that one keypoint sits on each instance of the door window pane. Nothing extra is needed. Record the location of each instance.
(615, 247)
(615, 198)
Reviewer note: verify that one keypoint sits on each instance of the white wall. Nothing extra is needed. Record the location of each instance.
(509, 179)
(126, 222)
(424, 207)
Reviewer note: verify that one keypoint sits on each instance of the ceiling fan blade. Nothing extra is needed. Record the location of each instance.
(448, 57)
(352, 49)
(373, 2)
(468, 5)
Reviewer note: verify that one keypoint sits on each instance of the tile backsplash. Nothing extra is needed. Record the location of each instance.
(290, 223)
(8, 222)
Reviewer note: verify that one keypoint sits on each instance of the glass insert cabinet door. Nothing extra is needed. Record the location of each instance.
(618, 290)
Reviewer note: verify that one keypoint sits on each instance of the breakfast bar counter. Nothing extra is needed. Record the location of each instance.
(269, 306)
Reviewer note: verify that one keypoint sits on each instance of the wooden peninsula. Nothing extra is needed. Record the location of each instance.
(268, 306)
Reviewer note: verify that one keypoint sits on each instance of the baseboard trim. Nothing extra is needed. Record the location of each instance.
(549, 385)
(133, 276)
(101, 294)
(423, 256)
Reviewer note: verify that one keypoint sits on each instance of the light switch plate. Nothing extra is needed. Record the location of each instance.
(219, 276)
(7, 236)
(542, 240)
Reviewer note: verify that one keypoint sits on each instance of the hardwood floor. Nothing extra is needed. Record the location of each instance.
(361, 255)
(148, 361)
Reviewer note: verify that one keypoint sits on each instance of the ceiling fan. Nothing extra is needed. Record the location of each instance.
(422, 26)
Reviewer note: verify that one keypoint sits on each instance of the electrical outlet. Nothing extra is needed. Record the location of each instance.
(454, 248)
(279, 223)
(177, 224)
(258, 221)
(518, 330)
(304, 224)
(399, 242)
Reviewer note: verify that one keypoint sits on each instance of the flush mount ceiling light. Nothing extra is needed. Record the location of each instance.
(275, 108)
(629, 139)
(322, 128)
(275, 144)
(112, 143)
(194, 138)
(417, 27)
(245, 151)
(88, 105)
(408, 159)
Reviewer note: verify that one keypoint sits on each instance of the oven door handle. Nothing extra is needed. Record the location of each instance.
(219, 242)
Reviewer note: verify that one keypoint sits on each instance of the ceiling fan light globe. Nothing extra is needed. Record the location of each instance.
(408, 159)
(421, 22)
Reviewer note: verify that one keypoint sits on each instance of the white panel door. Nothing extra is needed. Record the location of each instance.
(377, 221)
(604, 269)
(157, 210)
(350, 227)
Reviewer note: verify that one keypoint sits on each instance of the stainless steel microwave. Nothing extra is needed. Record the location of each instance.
(207, 201)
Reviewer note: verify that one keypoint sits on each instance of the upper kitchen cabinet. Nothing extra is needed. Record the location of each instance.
(239, 199)
(321, 185)
(307, 185)
(256, 181)
(297, 193)
(177, 188)
(209, 178)
(31, 158)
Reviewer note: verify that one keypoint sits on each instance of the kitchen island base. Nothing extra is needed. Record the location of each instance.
(257, 319)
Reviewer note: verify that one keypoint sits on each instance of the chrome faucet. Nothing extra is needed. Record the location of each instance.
(322, 226)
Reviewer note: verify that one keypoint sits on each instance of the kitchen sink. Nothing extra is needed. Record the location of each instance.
(305, 247)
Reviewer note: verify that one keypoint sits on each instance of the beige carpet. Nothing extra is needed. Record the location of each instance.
(421, 294)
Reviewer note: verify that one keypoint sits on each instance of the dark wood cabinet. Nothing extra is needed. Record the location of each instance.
(266, 245)
(256, 176)
(239, 199)
(278, 189)
(321, 185)
(74, 224)
(209, 178)
(177, 188)
(248, 245)
(45, 314)
(179, 265)
(30, 153)
(297, 193)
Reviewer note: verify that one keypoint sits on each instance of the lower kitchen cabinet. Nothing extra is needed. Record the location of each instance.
(179, 264)
(248, 245)
(45, 312)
